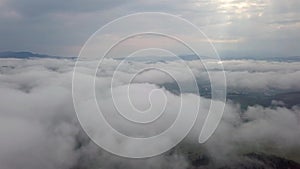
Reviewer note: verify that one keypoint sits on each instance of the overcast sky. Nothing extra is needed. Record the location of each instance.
(237, 28)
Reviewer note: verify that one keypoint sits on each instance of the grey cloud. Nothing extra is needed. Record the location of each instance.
(61, 27)
(35, 8)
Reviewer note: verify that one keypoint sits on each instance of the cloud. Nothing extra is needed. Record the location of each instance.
(39, 127)
(240, 74)
(268, 130)
(49, 7)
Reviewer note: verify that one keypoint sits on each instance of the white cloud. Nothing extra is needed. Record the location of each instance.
(39, 128)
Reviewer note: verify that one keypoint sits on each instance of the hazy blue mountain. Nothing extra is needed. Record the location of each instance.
(150, 59)
(28, 55)
(153, 59)
(277, 58)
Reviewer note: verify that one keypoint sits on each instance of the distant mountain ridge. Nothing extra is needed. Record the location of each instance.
(153, 59)
(275, 58)
(28, 55)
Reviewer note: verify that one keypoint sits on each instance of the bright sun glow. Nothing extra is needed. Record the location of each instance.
(241, 8)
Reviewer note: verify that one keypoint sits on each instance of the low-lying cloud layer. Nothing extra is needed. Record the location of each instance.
(39, 127)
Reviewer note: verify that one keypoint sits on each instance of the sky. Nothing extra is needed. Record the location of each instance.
(264, 28)
(36, 94)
